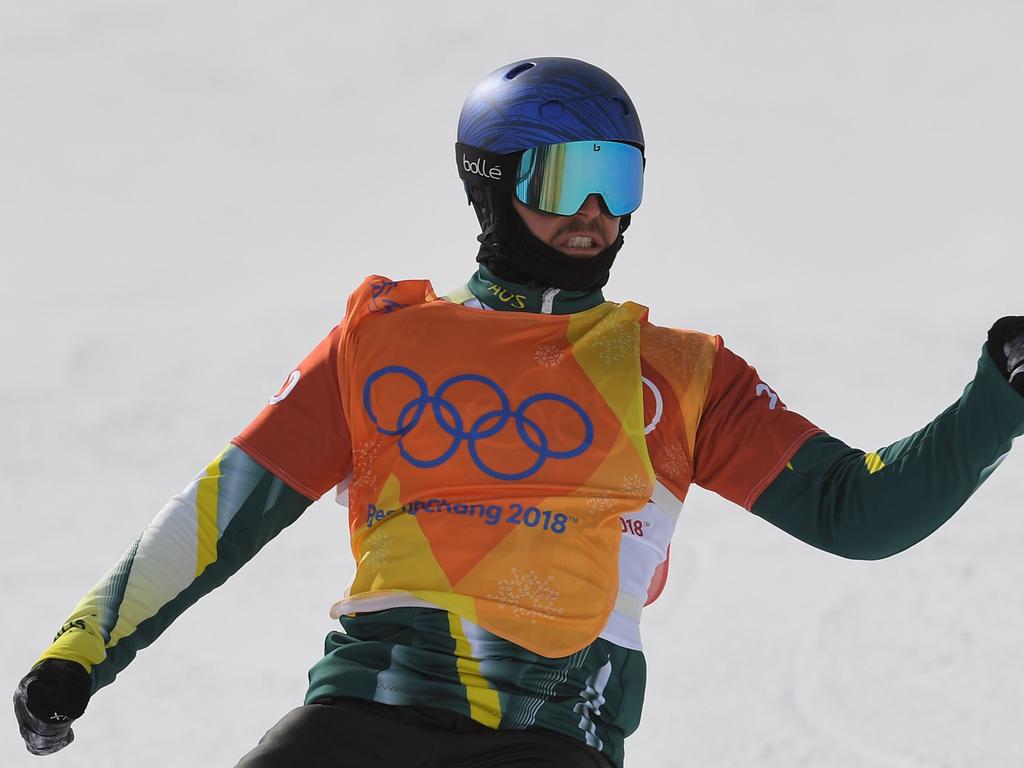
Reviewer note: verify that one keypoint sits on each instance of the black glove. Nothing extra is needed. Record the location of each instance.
(48, 699)
(1006, 346)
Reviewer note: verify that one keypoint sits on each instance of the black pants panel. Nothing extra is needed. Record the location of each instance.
(350, 733)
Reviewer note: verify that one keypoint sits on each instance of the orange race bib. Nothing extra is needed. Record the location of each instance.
(494, 455)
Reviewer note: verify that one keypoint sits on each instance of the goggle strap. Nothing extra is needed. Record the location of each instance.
(478, 166)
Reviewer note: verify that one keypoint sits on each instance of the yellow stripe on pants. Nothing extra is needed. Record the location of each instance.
(484, 706)
(206, 514)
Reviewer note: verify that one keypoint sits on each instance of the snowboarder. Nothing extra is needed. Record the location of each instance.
(513, 456)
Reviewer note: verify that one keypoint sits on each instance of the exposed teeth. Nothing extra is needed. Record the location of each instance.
(580, 242)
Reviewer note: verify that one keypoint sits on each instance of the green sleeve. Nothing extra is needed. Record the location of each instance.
(201, 537)
(870, 506)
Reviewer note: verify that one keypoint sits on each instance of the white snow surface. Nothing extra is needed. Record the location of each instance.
(189, 191)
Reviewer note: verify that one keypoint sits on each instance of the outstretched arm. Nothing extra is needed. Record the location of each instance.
(295, 450)
(201, 537)
(872, 505)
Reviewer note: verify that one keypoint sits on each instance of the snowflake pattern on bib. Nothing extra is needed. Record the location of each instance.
(599, 505)
(615, 341)
(379, 550)
(529, 595)
(677, 463)
(634, 485)
(364, 457)
(547, 356)
(676, 350)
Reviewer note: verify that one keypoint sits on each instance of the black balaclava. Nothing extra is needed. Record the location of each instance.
(512, 252)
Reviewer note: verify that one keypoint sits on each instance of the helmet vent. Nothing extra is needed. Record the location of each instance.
(517, 70)
(622, 104)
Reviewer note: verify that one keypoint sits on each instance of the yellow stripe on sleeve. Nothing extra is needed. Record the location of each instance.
(206, 513)
(873, 462)
(484, 706)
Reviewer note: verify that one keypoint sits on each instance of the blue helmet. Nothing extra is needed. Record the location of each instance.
(530, 105)
(547, 100)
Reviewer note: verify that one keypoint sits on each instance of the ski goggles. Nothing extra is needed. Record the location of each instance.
(558, 178)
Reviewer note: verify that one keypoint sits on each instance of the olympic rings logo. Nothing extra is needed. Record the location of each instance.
(487, 425)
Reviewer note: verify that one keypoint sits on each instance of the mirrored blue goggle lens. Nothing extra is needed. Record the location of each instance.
(557, 178)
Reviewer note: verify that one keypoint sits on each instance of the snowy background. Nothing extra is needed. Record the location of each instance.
(189, 191)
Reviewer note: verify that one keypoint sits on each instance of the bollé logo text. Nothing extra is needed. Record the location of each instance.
(479, 167)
